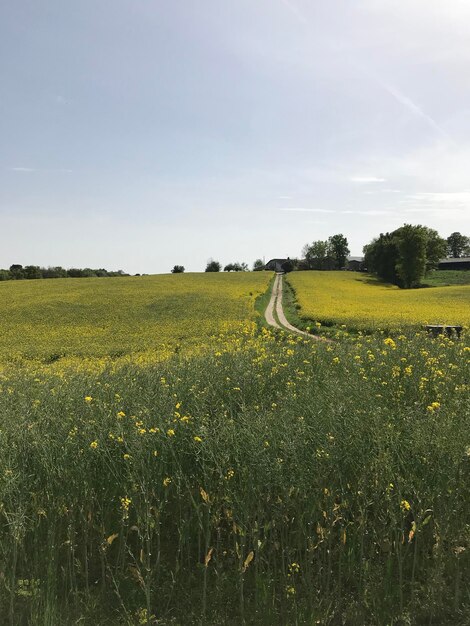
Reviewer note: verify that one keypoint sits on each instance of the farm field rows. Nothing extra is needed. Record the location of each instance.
(102, 317)
(361, 302)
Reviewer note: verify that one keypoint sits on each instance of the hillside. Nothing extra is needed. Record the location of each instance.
(117, 316)
(362, 302)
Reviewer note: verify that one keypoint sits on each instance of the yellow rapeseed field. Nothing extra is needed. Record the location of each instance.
(114, 317)
(361, 302)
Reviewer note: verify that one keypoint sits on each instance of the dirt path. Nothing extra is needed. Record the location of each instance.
(275, 303)
(269, 313)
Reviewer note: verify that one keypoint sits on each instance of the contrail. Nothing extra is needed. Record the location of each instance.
(402, 99)
(413, 108)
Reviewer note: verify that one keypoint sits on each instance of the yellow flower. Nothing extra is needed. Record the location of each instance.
(126, 457)
(94, 445)
(88, 398)
(197, 439)
(389, 342)
(170, 432)
(433, 406)
(405, 506)
(166, 481)
(120, 414)
(125, 503)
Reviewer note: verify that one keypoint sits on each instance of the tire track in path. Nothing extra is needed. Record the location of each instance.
(275, 304)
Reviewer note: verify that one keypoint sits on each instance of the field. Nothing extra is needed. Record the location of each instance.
(437, 278)
(248, 477)
(361, 302)
(100, 317)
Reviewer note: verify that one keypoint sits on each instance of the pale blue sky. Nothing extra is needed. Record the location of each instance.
(138, 134)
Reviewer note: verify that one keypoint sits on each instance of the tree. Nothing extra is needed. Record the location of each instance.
(458, 245)
(258, 265)
(411, 265)
(32, 271)
(436, 247)
(177, 269)
(403, 256)
(338, 249)
(213, 266)
(381, 256)
(16, 271)
(316, 254)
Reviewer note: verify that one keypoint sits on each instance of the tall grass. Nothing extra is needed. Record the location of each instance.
(269, 481)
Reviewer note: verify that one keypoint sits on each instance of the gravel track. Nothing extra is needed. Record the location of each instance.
(275, 304)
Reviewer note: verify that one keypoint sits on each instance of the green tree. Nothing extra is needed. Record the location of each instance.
(258, 265)
(338, 249)
(213, 266)
(458, 245)
(403, 256)
(436, 247)
(32, 271)
(177, 269)
(381, 256)
(16, 271)
(316, 254)
(411, 265)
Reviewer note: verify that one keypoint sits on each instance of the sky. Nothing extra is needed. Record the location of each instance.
(140, 134)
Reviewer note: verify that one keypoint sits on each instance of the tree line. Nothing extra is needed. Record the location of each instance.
(29, 272)
(404, 256)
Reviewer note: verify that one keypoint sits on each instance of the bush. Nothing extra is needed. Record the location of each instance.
(213, 266)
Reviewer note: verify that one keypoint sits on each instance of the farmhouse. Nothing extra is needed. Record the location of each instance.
(463, 263)
(276, 265)
(355, 263)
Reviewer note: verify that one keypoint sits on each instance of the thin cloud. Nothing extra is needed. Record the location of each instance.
(305, 210)
(32, 169)
(367, 179)
(371, 213)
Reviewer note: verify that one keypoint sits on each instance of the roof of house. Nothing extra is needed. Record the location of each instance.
(462, 259)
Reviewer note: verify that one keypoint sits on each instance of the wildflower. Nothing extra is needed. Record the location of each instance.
(433, 407)
(290, 590)
(166, 481)
(405, 506)
(170, 432)
(336, 359)
(389, 342)
(120, 414)
(126, 457)
(93, 445)
(197, 439)
(88, 399)
(125, 504)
